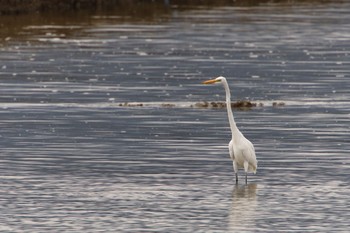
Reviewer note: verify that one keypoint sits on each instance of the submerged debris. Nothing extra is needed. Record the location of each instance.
(126, 104)
(243, 104)
(168, 105)
(278, 104)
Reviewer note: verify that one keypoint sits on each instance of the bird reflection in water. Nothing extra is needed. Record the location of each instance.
(243, 208)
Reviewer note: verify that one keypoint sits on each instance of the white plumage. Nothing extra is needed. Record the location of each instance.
(241, 150)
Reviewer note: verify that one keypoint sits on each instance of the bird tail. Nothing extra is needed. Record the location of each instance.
(255, 167)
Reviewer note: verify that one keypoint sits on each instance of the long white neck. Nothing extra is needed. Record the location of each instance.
(233, 126)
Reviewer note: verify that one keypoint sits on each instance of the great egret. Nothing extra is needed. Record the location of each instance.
(241, 150)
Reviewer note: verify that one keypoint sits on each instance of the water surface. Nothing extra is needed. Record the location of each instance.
(73, 159)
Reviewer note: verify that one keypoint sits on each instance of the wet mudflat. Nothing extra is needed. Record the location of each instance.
(73, 159)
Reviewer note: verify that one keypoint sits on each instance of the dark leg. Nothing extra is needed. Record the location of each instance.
(246, 171)
(235, 170)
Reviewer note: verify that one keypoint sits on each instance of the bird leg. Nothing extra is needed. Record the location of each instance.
(235, 169)
(246, 171)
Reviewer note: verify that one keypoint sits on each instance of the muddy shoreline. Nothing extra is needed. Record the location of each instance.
(10, 7)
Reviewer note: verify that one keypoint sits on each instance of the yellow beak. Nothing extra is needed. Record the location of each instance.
(211, 81)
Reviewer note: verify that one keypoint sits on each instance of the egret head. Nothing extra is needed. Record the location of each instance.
(215, 80)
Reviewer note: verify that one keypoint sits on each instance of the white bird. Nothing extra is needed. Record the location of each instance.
(241, 150)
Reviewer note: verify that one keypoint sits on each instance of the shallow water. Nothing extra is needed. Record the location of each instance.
(72, 159)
